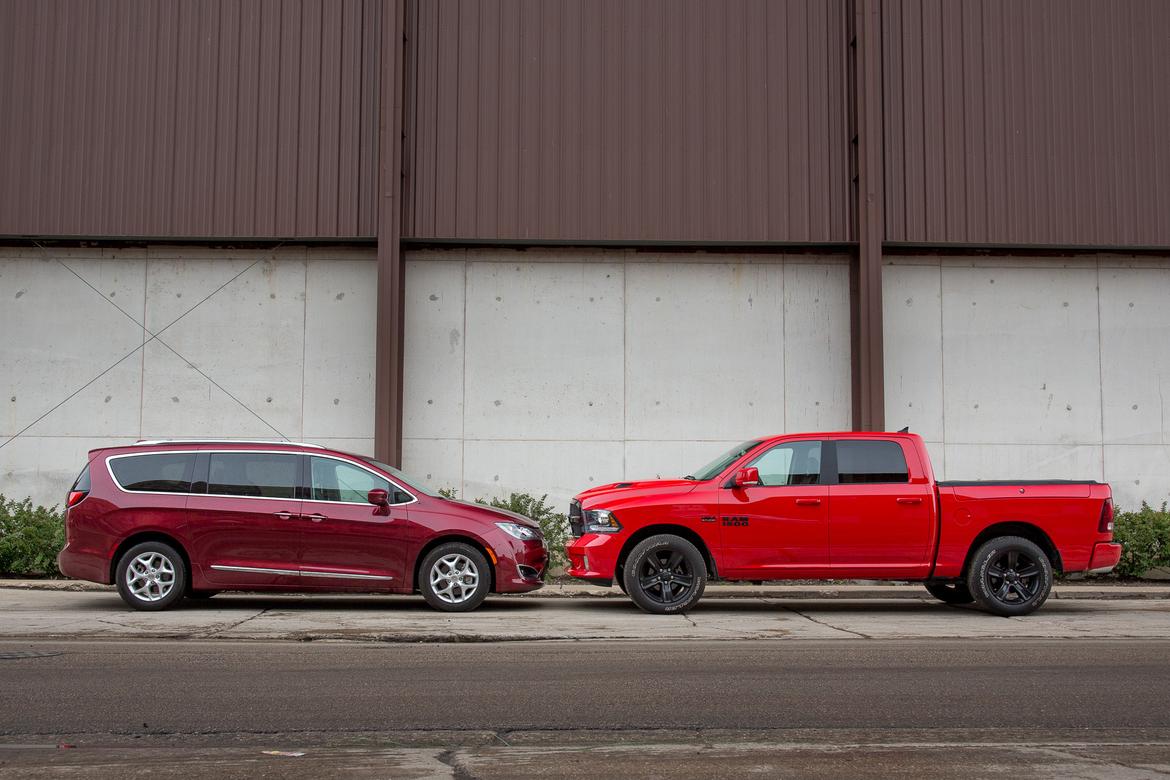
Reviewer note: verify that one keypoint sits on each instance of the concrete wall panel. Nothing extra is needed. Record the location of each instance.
(340, 336)
(437, 462)
(665, 459)
(558, 468)
(1021, 347)
(1138, 473)
(816, 348)
(912, 308)
(1023, 461)
(246, 341)
(58, 334)
(1135, 355)
(681, 355)
(704, 350)
(433, 366)
(544, 350)
(257, 335)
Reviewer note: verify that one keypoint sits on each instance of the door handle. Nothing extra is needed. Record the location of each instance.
(909, 500)
(283, 515)
(315, 518)
(808, 502)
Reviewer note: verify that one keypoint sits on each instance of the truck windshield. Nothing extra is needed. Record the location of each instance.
(716, 467)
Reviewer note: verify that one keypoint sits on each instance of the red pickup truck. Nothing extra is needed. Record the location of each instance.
(840, 506)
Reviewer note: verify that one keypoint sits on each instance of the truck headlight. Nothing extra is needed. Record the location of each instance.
(521, 532)
(601, 521)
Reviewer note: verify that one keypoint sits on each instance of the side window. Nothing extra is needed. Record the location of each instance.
(867, 462)
(163, 472)
(797, 463)
(335, 480)
(256, 474)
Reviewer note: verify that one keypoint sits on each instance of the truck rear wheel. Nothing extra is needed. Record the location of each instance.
(665, 575)
(1010, 576)
(950, 592)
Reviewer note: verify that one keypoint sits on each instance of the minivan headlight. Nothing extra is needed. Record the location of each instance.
(600, 521)
(521, 532)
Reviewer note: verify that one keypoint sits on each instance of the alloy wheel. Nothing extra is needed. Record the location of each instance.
(454, 578)
(150, 576)
(1013, 577)
(666, 576)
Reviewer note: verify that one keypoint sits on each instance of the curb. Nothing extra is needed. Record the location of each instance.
(559, 590)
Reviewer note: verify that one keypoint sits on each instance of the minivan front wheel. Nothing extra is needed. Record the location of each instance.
(454, 577)
(151, 576)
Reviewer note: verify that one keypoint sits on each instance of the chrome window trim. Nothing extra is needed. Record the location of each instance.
(295, 573)
(109, 470)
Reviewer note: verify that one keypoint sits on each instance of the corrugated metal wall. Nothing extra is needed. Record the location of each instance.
(225, 118)
(1039, 122)
(616, 120)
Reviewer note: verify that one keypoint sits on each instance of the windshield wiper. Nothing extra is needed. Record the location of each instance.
(689, 476)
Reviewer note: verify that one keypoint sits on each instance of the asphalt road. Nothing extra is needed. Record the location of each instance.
(589, 709)
(149, 688)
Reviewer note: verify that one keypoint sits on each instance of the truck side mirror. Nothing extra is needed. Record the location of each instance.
(748, 477)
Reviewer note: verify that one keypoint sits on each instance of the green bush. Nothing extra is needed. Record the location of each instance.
(1145, 540)
(555, 526)
(30, 538)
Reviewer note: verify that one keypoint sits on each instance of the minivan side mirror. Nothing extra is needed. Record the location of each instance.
(378, 497)
(748, 477)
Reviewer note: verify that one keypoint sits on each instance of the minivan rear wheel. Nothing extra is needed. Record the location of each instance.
(151, 576)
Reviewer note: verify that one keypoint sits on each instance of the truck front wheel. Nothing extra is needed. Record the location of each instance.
(1010, 576)
(665, 575)
(950, 592)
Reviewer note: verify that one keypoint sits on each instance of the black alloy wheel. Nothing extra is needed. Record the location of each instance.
(665, 574)
(1010, 576)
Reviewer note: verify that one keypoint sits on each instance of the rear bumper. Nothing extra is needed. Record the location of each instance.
(83, 565)
(1105, 557)
(594, 557)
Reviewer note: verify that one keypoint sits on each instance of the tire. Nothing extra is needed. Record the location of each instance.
(665, 575)
(201, 595)
(454, 577)
(151, 576)
(950, 592)
(1010, 576)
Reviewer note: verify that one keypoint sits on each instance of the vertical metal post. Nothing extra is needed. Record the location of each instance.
(866, 278)
(388, 361)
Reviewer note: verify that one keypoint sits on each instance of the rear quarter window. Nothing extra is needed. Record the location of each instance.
(161, 472)
(869, 462)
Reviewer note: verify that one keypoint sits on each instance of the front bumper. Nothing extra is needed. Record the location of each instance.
(1105, 557)
(521, 566)
(594, 557)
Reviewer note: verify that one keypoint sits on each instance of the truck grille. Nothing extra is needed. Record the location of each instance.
(576, 521)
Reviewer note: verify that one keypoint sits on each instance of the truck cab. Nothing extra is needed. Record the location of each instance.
(845, 505)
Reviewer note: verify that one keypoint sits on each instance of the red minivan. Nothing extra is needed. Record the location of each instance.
(168, 519)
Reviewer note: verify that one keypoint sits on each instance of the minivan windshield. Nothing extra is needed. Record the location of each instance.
(716, 467)
(410, 481)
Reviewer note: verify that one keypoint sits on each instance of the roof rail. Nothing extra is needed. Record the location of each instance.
(149, 442)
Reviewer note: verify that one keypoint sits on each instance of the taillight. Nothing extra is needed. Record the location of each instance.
(75, 497)
(1105, 526)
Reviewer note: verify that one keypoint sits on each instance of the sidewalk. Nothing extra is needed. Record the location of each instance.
(826, 590)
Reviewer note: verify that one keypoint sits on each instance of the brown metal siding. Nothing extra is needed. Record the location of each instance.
(1037, 122)
(218, 118)
(616, 120)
